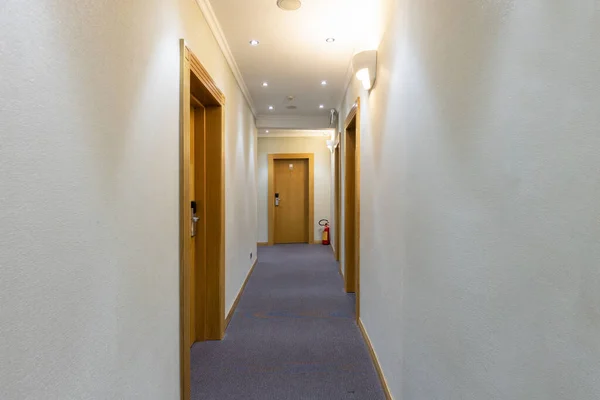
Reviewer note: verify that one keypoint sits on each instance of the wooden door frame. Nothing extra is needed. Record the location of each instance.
(196, 86)
(352, 272)
(311, 192)
(337, 165)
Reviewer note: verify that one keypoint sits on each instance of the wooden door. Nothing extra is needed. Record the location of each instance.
(192, 189)
(338, 205)
(350, 212)
(198, 188)
(202, 167)
(291, 214)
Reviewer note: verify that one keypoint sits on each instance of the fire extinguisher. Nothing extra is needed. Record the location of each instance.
(325, 224)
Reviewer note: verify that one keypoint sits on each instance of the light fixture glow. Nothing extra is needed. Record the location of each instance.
(330, 40)
(363, 76)
(265, 84)
(267, 131)
(323, 83)
(321, 106)
(254, 42)
(364, 65)
(270, 107)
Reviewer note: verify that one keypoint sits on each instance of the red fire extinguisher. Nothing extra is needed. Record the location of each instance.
(325, 224)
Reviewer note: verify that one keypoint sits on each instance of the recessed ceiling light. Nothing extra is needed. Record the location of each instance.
(323, 83)
(267, 131)
(254, 42)
(265, 84)
(321, 106)
(289, 5)
(330, 40)
(270, 107)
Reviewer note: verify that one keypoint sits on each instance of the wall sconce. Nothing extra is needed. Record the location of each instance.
(364, 65)
(330, 145)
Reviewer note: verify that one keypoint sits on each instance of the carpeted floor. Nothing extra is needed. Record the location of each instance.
(293, 336)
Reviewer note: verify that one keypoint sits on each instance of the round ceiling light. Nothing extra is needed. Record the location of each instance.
(330, 40)
(289, 5)
(254, 42)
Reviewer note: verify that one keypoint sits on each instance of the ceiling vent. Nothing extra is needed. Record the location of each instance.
(290, 100)
(289, 5)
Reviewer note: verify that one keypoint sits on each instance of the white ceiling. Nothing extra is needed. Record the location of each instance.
(293, 56)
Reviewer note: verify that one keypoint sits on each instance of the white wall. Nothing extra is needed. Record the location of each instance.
(480, 174)
(89, 193)
(322, 182)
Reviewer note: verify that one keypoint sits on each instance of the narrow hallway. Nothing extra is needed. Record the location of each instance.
(293, 336)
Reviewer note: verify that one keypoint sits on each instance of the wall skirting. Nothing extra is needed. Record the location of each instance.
(239, 295)
(384, 385)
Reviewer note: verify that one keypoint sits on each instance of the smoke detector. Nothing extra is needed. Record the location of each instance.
(289, 5)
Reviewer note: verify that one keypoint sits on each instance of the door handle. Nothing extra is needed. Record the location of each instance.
(194, 218)
(194, 222)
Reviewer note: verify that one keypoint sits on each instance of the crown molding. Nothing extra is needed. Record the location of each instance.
(215, 27)
(288, 133)
(315, 122)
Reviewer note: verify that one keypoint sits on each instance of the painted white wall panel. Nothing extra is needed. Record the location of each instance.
(89, 195)
(480, 200)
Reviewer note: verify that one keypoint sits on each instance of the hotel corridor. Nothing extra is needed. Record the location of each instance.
(293, 336)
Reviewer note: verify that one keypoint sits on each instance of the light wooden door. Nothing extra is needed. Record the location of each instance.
(351, 211)
(291, 211)
(338, 204)
(202, 167)
(197, 185)
(194, 242)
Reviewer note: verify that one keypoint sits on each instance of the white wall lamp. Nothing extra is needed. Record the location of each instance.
(364, 65)
(331, 145)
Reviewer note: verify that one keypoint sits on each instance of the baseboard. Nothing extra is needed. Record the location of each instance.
(384, 385)
(239, 296)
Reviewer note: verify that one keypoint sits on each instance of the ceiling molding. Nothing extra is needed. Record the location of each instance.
(293, 122)
(324, 134)
(215, 27)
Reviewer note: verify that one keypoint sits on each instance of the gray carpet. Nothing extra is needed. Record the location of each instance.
(293, 336)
